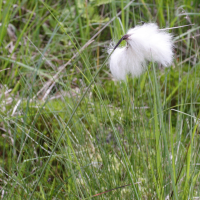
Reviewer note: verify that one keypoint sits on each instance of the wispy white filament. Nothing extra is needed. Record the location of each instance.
(144, 43)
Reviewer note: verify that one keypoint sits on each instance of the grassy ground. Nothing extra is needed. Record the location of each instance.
(69, 131)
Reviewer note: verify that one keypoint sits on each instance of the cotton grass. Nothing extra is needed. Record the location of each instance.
(144, 43)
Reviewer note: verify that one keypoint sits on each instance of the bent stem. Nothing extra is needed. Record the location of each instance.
(123, 38)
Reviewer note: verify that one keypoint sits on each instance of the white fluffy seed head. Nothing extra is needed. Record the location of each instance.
(145, 43)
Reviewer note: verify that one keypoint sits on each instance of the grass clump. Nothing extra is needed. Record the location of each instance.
(69, 131)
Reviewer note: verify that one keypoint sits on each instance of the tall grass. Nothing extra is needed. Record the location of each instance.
(69, 131)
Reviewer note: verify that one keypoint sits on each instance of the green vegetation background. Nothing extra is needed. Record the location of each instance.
(69, 130)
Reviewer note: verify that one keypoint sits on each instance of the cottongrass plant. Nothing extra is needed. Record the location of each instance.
(88, 136)
(144, 43)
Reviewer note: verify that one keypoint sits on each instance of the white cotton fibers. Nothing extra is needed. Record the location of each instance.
(144, 43)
